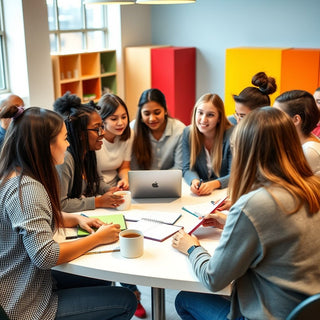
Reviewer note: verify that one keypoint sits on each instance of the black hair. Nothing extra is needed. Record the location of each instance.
(108, 104)
(142, 148)
(302, 103)
(76, 119)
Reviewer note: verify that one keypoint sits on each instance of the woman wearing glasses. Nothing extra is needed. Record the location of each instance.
(251, 98)
(81, 186)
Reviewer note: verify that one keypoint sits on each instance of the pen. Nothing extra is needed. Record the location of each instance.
(217, 205)
(103, 251)
(82, 214)
(200, 183)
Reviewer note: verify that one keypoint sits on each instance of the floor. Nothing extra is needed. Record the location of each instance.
(170, 296)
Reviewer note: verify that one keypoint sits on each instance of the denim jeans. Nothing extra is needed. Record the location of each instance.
(202, 306)
(81, 298)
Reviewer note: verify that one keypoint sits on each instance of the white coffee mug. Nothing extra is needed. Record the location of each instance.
(131, 243)
(126, 195)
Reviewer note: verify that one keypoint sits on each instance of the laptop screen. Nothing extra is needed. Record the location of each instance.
(155, 183)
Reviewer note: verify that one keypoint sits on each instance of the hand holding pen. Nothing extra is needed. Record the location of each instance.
(200, 183)
(218, 221)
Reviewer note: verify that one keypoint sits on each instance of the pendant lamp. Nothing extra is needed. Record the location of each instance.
(164, 1)
(109, 2)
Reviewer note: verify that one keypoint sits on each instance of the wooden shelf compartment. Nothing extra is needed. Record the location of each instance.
(91, 89)
(74, 87)
(109, 84)
(86, 74)
(108, 62)
(90, 64)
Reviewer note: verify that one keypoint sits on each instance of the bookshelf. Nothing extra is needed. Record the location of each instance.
(86, 74)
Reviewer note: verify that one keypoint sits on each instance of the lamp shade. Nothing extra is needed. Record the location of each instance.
(164, 1)
(91, 2)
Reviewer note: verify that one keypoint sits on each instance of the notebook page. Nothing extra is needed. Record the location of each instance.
(156, 230)
(160, 216)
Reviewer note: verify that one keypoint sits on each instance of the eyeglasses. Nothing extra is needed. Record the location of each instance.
(239, 116)
(98, 130)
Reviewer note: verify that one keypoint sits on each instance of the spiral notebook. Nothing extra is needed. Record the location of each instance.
(156, 230)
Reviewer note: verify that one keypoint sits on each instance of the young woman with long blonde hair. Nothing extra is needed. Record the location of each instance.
(206, 146)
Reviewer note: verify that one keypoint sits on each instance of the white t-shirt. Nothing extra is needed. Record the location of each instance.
(111, 156)
(311, 151)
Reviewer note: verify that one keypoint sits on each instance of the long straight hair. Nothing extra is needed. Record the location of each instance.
(27, 147)
(142, 148)
(262, 155)
(197, 138)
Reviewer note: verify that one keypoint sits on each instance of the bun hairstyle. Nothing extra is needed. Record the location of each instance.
(70, 103)
(257, 96)
(76, 117)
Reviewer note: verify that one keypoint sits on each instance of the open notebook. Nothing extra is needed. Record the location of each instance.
(111, 218)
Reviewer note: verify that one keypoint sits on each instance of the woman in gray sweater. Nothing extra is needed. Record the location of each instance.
(269, 247)
(30, 214)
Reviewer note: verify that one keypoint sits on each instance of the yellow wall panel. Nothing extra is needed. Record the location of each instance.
(243, 63)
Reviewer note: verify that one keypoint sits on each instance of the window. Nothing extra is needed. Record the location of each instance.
(3, 56)
(74, 26)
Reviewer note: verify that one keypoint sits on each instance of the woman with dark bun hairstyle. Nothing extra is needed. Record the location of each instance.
(30, 214)
(251, 98)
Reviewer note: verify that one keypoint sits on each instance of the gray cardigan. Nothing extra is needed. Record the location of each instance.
(272, 256)
(66, 174)
(200, 170)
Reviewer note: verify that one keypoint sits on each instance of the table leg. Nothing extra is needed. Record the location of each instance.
(158, 304)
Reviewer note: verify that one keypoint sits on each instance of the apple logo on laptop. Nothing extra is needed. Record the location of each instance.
(155, 184)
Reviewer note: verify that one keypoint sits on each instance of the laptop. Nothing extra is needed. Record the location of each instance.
(155, 183)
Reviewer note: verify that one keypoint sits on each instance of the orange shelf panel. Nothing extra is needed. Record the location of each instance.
(300, 69)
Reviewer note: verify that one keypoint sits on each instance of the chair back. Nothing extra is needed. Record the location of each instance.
(308, 309)
(3, 315)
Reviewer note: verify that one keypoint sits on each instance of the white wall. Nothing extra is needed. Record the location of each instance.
(128, 25)
(28, 49)
(215, 25)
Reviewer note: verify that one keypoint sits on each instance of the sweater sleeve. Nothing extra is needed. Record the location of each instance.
(66, 174)
(233, 256)
(33, 220)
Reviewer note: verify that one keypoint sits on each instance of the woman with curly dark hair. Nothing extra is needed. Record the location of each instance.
(81, 186)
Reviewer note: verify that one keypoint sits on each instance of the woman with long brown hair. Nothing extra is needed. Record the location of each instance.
(269, 246)
(30, 213)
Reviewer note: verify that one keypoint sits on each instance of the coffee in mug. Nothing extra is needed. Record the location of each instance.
(131, 243)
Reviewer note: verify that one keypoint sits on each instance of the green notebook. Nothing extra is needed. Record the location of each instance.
(112, 218)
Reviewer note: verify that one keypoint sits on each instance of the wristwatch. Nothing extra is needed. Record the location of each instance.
(192, 248)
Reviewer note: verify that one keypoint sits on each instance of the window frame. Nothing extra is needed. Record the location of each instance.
(3, 45)
(84, 30)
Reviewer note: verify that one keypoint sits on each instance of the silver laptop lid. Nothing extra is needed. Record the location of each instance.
(155, 183)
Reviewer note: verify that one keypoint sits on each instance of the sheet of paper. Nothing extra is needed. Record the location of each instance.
(162, 216)
(156, 230)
